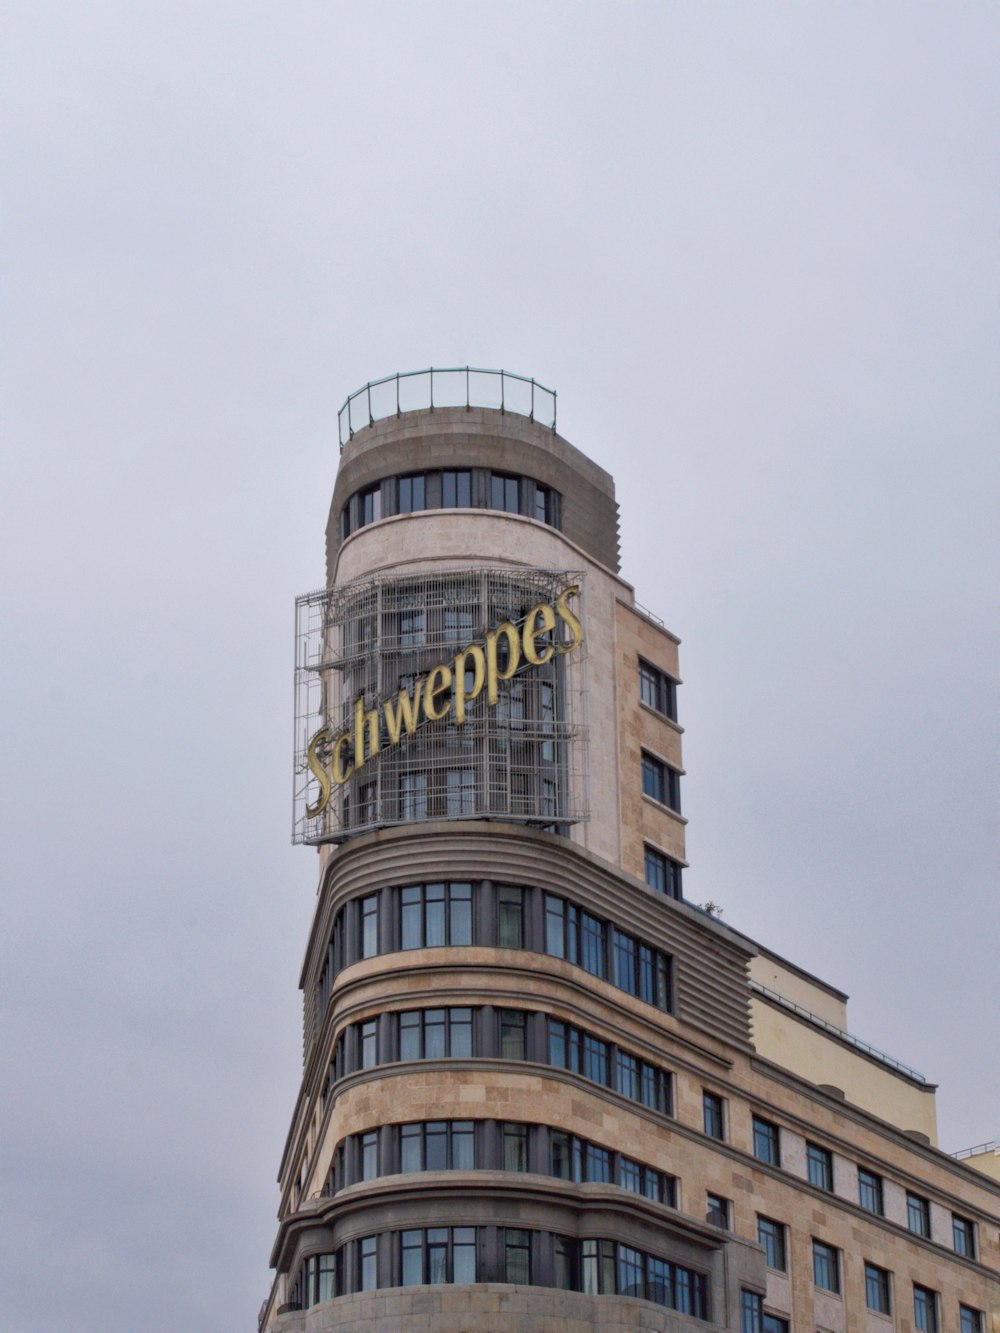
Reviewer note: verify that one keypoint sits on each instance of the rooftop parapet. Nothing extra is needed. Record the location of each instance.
(455, 386)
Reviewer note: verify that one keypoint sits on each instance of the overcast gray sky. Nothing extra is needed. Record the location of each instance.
(753, 247)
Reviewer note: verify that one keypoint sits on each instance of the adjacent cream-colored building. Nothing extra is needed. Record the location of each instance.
(541, 1091)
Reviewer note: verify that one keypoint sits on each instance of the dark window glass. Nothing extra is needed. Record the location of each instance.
(555, 926)
(369, 1155)
(412, 493)
(627, 1074)
(774, 1324)
(432, 915)
(595, 1058)
(826, 1266)
(969, 1320)
(432, 1034)
(456, 490)
(517, 1256)
(877, 1289)
(369, 1043)
(598, 1164)
(631, 1276)
(413, 796)
(460, 792)
(504, 493)
(661, 782)
(765, 1141)
(543, 510)
(592, 933)
(463, 1145)
(712, 1114)
(662, 873)
(369, 926)
(870, 1191)
(819, 1162)
(717, 1210)
(370, 504)
(918, 1214)
(771, 1235)
(510, 912)
(515, 1147)
(964, 1235)
(437, 1255)
(657, 690)
(625, 957)
(567, 1277)
(751, 1312)
(512, 1034)
(368, 1263)
(925, 1317)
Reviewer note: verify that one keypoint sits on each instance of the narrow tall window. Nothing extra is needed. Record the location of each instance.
(969, 1320)
(826, 1266)
(771, 1235)
(369, 926)
(751, 1312)
(456, 490)
(766, 1147)
(510, 913)
(819, 1162)
(870, 1191)
(515, 1147)
(925, 1310)
(504, 493)
(368, 1263)
(877, 1296)
(964, 1236)
(712, 1114)
(918, 1214)
(412, 493)
(517, 1256)
(660, 782)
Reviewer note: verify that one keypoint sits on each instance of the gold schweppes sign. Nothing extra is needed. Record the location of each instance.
(443, 692)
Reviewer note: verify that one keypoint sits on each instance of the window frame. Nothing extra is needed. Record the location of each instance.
(662, 873)
(925, 1309)
(878, 1289)
(964, 1228)
(713, 1115)
(766, 1132)
(826, 1264)
(870, 1192)
(821, 1159)
(917, 1207)
(661, 782)
(657, 689)
(771, 1235)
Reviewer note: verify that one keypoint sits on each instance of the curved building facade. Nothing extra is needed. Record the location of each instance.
(540, 1090)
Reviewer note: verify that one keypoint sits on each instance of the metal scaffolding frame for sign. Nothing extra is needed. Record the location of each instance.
(375, 640)
(445, 386)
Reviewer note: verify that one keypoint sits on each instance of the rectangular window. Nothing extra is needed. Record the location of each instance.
(826, 1266)
(555, 926)
(592, 933)
(456, 490)
(515, 1147)
(513, 1029)
(544, 508)
(510, 914)
(774, 1324)
(877, 1295)
(369, 926)
(766, 1143)
(718, 1210)
(433, 1034)
(368, 1263)
(432, 915)
(412, 493)
(517, 1256)
(661, 782)
(504, 493)
(369, 1043)
(567, 1276)
(369, 1155)
(964, 1236)
(870, 1191)
(625, 960)
(771, 1235)
(751, 1312)
(631, 1278)
(438, 1254)
(918, 1214)
(925, 1311)
(460, 792)
(657, 690)
(370, 504)
(712, 1114)
(413, 796)
(970, 1320)
(662, 873)
(819, 1162)
(595, 1059)
(627, 1074)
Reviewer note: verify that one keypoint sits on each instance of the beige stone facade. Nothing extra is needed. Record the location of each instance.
(540, 1090)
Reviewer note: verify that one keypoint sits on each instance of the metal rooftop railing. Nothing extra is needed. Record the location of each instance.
(992, 1146)
(856, 1042)
(456, 386)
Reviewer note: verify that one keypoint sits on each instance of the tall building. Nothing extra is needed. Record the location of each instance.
(541, 1091)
